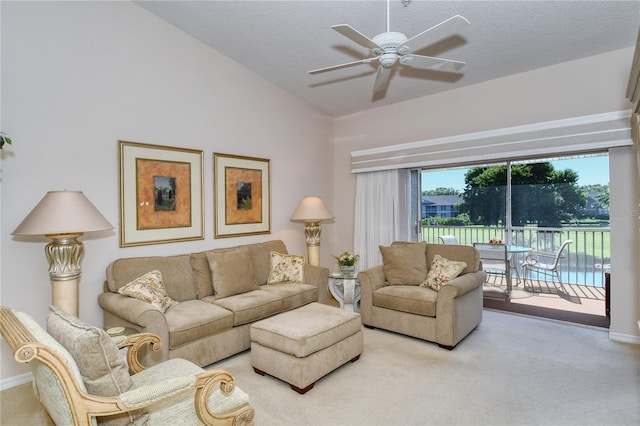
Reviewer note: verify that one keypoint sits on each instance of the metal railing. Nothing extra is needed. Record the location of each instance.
(585, 261)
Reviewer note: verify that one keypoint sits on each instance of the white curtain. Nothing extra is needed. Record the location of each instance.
(381, 213)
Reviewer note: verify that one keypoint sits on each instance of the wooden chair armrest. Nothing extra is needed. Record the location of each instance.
(208, 382)
(135, 343)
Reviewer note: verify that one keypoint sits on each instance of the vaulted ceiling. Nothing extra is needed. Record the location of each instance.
(283, 40)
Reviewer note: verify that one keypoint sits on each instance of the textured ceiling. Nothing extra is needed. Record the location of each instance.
(282, 40)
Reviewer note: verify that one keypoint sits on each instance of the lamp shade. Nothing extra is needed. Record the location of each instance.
(63, 212)
(311, 209)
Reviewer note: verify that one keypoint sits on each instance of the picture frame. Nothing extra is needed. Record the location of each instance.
(242, 195)
(161, 194)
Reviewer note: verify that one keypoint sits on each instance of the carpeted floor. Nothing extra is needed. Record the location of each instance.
(512, 370)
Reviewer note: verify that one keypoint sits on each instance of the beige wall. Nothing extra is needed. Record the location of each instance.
(78, 76)
(587, 86)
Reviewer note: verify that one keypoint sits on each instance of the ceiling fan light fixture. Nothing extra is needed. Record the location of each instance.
(390, 39)
(391, 47)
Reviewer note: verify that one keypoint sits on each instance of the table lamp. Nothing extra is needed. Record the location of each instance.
(312, 211)
(63, 216)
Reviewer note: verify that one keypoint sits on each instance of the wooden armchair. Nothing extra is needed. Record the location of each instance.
(172, 392)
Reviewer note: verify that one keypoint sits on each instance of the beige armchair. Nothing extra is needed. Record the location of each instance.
(444, 316)
(73, 390)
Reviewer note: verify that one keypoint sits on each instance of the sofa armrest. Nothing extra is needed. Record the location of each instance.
(319, 277)
(370, 280)
(459, 308)
(147, 318)
(462, 285)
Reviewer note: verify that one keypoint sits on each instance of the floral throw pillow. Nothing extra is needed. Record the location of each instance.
(149, 288)
(286, 268)
(442, 271)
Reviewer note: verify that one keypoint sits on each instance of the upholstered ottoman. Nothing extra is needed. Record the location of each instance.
(305, 344)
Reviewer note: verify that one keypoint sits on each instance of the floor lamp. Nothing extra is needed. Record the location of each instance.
(63, 216)
(312, 211)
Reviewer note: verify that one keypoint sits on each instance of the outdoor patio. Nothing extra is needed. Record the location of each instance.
(583, 266)
(571, 302)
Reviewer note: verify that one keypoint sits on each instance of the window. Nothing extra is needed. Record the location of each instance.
(535, 203)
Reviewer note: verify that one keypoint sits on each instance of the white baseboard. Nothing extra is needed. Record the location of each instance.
(624, 338)
(14, 381)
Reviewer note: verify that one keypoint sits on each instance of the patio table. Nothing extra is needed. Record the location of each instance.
(517, 250)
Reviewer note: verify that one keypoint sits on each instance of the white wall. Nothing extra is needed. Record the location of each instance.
(78, 76)
(587, 86)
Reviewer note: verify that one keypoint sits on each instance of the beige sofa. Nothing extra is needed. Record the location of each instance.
(445, 316)
(212, 318)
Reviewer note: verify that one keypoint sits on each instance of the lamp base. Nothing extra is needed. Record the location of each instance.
(313, 254)
(312, 232)
(64, 253)
(64, 295)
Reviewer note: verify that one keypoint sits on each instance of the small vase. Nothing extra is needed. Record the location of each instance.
(348, 270)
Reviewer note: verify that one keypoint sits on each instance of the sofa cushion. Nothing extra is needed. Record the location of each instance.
(231, 271)
(293, 295)
(250, 306)
(407, 298)
(149, 288)
(286, 268)
(441, 271)
(177, 274)
(260, 258)
(202, 274)
(404, 263)
(202, 271)
(194, 319)
(104, 372)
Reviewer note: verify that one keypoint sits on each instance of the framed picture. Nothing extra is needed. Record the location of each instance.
(160, 194)
(242, 195)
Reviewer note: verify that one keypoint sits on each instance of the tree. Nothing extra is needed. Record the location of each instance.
(441, 191)
(540, 195)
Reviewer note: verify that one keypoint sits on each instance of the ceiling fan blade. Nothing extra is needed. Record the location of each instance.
(442, 30)
(348, 64)
(355, 35)
(429, 62)
(382, 79)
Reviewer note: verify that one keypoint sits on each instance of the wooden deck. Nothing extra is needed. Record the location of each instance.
(571, 302)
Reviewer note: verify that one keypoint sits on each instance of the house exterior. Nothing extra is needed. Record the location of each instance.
(79, 76)
(440, 205)
(593, 207)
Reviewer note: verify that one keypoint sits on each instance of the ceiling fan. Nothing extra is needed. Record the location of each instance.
(389, 48)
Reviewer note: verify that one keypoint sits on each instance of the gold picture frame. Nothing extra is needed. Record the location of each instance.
(242, 194)
(161, 193)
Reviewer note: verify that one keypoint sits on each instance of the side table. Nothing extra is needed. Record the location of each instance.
(346, 289)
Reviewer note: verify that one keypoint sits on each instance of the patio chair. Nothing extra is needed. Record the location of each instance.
(495, 261)
(448, 239)
(545, 264)
(81, 378)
